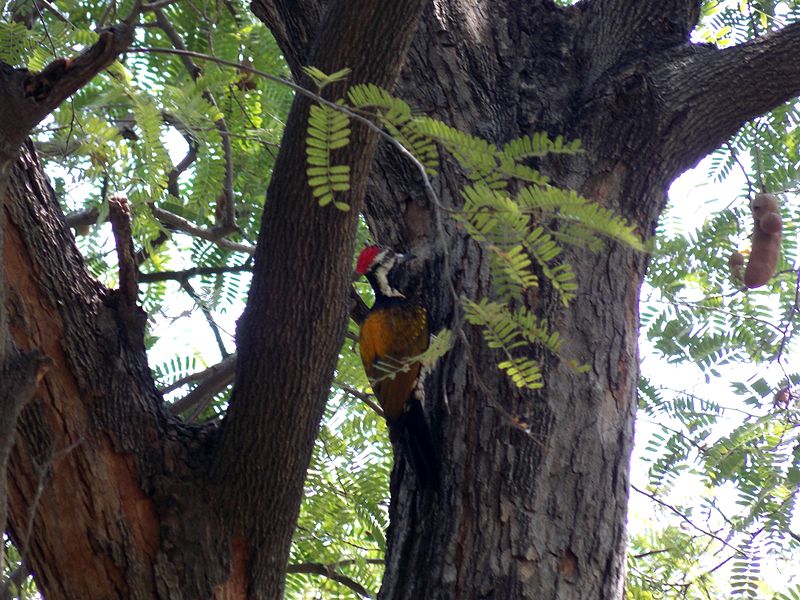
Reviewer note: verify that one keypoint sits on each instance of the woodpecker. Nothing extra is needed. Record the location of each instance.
(394, 330)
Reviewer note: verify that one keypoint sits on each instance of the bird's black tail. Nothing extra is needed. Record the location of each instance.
(417, 442)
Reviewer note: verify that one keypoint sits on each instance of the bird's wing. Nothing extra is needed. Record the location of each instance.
(388, 338)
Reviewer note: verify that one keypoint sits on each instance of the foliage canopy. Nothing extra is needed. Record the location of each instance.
(187, 138)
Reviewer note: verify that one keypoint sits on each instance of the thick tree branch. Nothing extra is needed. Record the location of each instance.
(212, 381)
(616, 29)
(294, 25)
(63, 77)
(296, 308)
(358, 308)
(710, 94)
(226, 366)
(669, 108)
(119, 213)
(82, 218)
(26, 100)
(96, 429)
(30, 97)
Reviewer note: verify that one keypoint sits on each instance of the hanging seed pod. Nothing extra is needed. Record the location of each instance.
(736, 264)
(766, 240)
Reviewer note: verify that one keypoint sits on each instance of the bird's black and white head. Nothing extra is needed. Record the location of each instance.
(376, 263)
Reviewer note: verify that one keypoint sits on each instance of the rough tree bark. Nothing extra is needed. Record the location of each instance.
(157, 509)
(542, 514)
(25, 100)
(111, 497)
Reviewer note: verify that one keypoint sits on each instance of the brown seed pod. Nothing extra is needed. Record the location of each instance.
(782, 397)
(736, 263)
(771, 223)
(766, 240)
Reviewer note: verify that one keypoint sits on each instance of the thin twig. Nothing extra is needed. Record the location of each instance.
(651, 553)
(716, 309)
(207, 313)
(157, 5)
(188, 160)
(785, 330)
(701, 399)
(226, 211)
(16, 577)
(720, 565)
(692, 442)
(144, 252)
(134, 13)
(735, 156)
(180, 48)
(44, 26)
(327, 571)
(686, 519)
(55, 12)
(358, 308)
(193, 272)
(267, 145)
(311, 535)
(101, 22)
(365, 398)
(212, 235)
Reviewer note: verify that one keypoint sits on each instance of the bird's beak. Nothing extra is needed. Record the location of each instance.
(404, 258)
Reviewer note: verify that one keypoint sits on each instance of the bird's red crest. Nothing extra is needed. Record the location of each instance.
(365, 259)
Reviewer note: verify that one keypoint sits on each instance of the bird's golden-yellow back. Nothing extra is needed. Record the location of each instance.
(389, 336)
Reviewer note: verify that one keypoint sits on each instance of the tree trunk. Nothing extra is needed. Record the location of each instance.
(521, 513)
(110, 497)
(539, 511)
(100, 476)
(158, 509)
